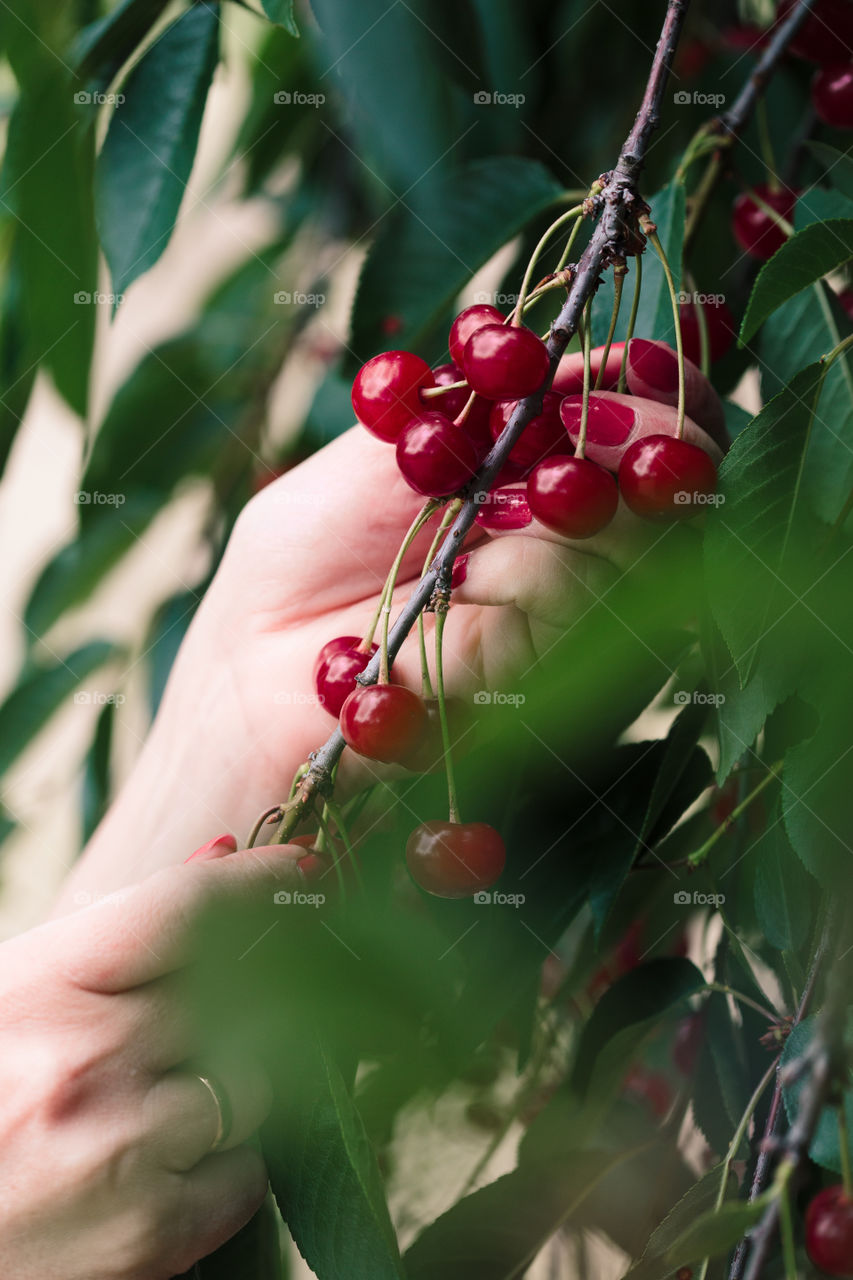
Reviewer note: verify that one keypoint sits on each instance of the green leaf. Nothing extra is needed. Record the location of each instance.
(102, 48)
(254, 1252)
(678, 755)
(742, 712)
(702, 1196)
(496, 1233)
(839, 166)
(783, 897)
(808, 256)
(631, 1004)
(820, 206)
(654, 317)
(97, 781)
(17, 371)
(426, 252)
(716, 1233)
(751, 536)
(148, 153)
(825, 1149)
(39, 693)
(326, 1182)
(281, 13)
(816, 798)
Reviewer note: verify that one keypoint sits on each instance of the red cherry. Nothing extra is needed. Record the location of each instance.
(719, 322)
(754, 230)
(468, 322)
(572, 496)
(435, 457)
(688, 1042)
(827, 33)
(503, 363)
(832, 95)
(455, 859)
(662, 478)
(335, 671)
(829, 1231)
(384, 722)
(845, 297)
(385, 394)
(652, 1087)
(476, 424)
(543, 435)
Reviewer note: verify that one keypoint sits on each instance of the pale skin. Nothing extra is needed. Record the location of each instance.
(93, 1043)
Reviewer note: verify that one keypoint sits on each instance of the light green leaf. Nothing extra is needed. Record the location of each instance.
(716, 1233)
(102, 48)
(809, 255)
(839, 166)
(702, 1196)
(148, 153)
(783, 898)
(281, 13)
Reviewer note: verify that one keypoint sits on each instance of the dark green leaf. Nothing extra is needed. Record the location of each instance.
(148, 153)
(816, 798)
(715, 1233)
(39, 693)
(743, 711)
(839, 166)
(281, 13)
(819, 206)
(684, 734)
(808, 256)
(633, 1002)
(702, 1196)
(17, 371)
(783, 898)
(825, 1149)
(97, 781)
(102, 48)
(427, 251)
(254, 1252)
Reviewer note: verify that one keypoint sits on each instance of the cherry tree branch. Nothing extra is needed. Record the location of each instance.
(619, 204)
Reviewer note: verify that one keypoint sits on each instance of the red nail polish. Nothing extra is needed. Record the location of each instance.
(214, 848)
(505, 509)
(655, 363)
(460, 571)
(609, 424)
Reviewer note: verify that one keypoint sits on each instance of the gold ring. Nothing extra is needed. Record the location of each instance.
(223, 1110)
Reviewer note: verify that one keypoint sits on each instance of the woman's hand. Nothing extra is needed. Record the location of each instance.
(106, 1135)
(307, 561)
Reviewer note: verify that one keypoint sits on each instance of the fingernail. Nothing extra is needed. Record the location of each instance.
(460, 571)
(214, 848)
(504, 509)
(610, 422)
(654, 363)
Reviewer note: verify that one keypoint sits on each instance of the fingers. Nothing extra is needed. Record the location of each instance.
(142, 933)
(181, 1119)
(215, 1200)
(652, 374)
(615, 422)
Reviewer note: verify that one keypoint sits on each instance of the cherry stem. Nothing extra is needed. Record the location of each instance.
(259, 823)
(414, 529)
(702, 322)
(743, 999)
(569, 216)
(844, 1147)
(654, 239)
(699, 856)
(766, 145)
(567, 251)
(462, 415)
(446, 521)
(452, 800)
(431, 393)
(586, 331)
(326, 844)
(619, 272)
(786, 1222)
(336, 814)
(773, 214)
(632, 321)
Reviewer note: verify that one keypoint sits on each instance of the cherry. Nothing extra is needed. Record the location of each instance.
(543, 435)
(663, 478)
(754, 230)
(651, 1087)
(829, 1231)
(827, 33)
(719, 322)
(335, 670)
(468, 322)
(845, 297)
(503, 363)
(572, 496)
(455, 859)
(384, 722)
(435, 456)
(832, 95)
(688, 1042)
(385, 394)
